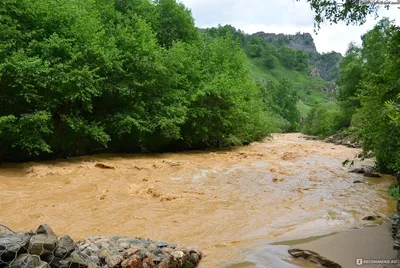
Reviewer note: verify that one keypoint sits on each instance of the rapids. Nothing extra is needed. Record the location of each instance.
(228, 203)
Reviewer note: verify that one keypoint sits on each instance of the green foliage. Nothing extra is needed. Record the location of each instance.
(368, 96)
(351, 12)
(323, 120)
(349, 83)
(129, 75)
(284, 100)
(379, 127)
(394, 191)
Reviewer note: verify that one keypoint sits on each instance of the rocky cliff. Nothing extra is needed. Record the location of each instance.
(299, 41)
(325, 65)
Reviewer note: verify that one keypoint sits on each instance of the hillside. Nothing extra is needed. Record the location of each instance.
(310, 89)
(272, 57)
(314, 84)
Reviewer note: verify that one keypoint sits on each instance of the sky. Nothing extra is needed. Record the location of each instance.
(281, 16)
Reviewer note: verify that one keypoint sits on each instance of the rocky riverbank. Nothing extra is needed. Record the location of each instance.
(45, 249)
(396, 222)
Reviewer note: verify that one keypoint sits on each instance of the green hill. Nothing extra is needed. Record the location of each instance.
(272, 57)
(309, 89)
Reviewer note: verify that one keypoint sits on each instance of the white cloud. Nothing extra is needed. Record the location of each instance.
(280, 16)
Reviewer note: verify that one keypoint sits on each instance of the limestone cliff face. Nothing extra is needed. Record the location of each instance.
(299, 41)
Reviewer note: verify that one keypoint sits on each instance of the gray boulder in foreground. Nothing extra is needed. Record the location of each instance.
(45, 249)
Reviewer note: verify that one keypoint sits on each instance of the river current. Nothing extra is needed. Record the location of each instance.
(228, 203)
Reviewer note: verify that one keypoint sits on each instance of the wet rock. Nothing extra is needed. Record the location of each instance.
(369, 218)
(129, 252)
(100, 165)
(65, 246)
(133, 262)
(75, 260)
(358, 181)
(398, 205)
(45, 230)
(103, 254)
(26, 260)
(371, 175)
(46, 250)
(152, 247)
(43, 264)
(358, 170)
(179, 257)
(41, 244)
(148, 263)
(13, 244)
(92, 265)
(194, 258)
(313, 257)
(113, 261)
(53, 261)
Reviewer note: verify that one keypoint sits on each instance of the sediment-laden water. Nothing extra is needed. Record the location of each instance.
(228, 203)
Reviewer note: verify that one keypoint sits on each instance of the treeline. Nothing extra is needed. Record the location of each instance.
(368, 104)
(271, 55)
(80, 76)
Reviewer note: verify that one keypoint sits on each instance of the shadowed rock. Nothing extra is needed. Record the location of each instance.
(372, 175)
(358, 170)
(313, 257)
(45, 250)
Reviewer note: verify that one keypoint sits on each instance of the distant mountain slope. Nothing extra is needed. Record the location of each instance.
(295, 57)
(325, 65)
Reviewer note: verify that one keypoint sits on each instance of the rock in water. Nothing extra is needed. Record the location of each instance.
(313, 257)
(372, 175)
(358, 170)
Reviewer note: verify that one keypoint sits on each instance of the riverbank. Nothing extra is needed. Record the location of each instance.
(344, 248)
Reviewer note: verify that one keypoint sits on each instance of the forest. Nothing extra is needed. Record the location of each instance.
(368, 105)
(87, 76)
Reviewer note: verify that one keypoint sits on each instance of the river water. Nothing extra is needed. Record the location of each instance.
(228, 203)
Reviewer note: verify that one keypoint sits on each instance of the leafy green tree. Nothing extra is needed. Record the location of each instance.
(350, 82)
(351, 12)
(380, 86)
(284, 102)
(172, 21)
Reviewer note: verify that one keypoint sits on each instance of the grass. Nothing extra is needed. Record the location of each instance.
(309, 89)
(394, 191)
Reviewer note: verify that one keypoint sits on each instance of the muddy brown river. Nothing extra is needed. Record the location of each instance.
(228, 203)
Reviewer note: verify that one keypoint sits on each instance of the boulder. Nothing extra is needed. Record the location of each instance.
(26, 260)
(369, 218)
(114, 261)
(45, 229)
(75, 260)
(358, 170)
(13, 244)
(65, 245)
(132, 262)
(41, 244)
(313, 257)
(372, 175)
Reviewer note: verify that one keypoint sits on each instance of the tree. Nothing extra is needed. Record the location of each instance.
(349, 11)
